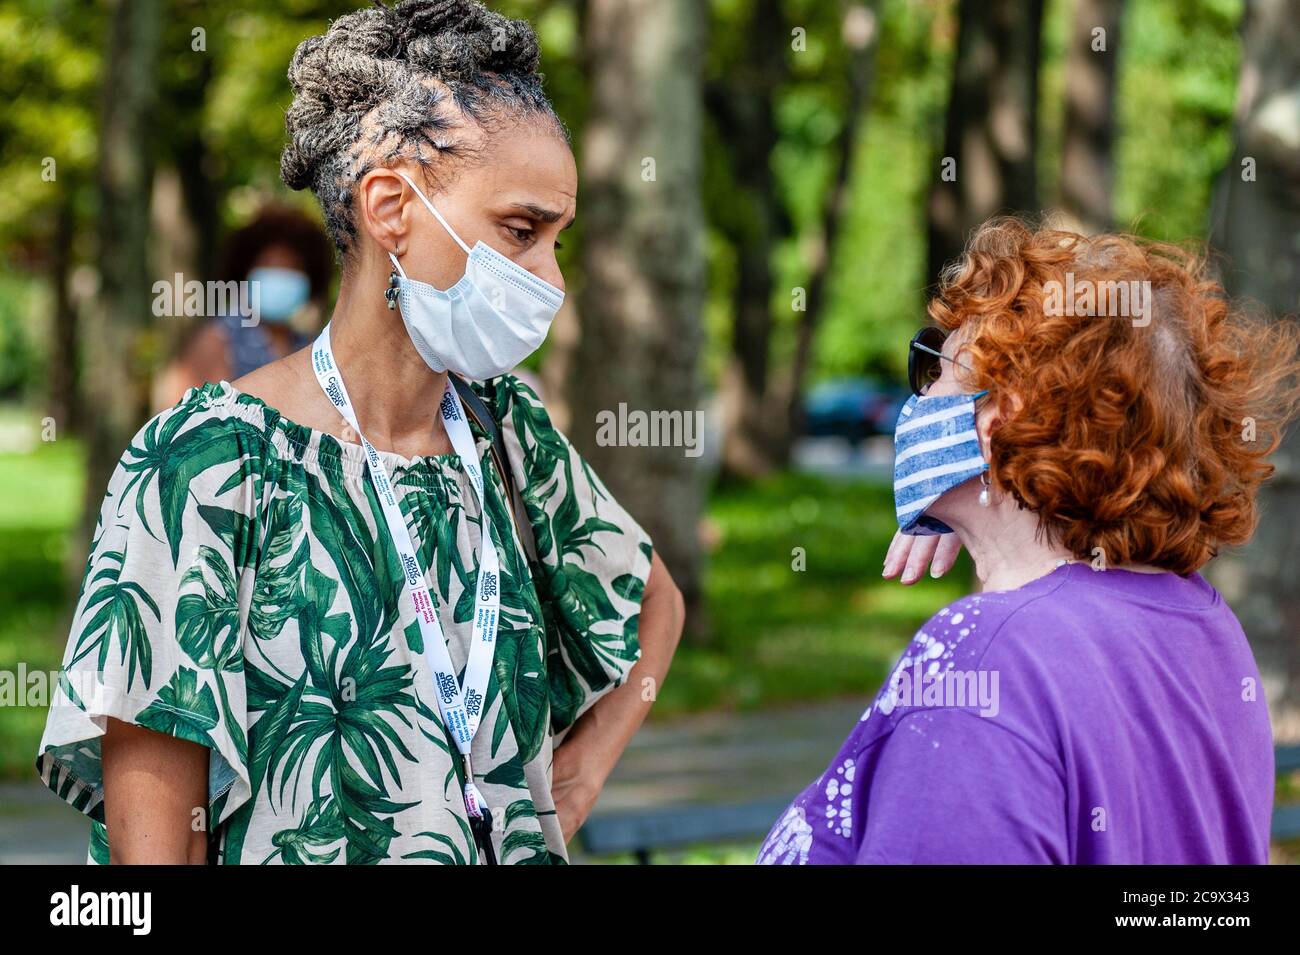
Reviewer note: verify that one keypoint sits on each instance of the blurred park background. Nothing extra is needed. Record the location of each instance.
(769, 269)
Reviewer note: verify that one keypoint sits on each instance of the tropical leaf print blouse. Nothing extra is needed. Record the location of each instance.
(243, 593)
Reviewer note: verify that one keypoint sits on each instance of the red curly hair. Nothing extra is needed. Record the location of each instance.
(1147, 441)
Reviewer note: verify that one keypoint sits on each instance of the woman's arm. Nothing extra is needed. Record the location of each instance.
(155, 796)
(587, 756)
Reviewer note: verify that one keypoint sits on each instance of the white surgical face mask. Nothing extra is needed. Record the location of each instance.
(488, 322)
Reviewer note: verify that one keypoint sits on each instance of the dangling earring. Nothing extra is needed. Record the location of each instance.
(390, 293)
(984, 491)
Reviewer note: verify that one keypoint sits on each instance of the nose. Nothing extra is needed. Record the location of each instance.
(549, 271)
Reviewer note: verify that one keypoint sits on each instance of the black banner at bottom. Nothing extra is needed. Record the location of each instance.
(385, 903)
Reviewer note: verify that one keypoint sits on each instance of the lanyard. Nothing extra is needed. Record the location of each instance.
(461, 707)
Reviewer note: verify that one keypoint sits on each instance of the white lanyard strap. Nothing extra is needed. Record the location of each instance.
(461, 708)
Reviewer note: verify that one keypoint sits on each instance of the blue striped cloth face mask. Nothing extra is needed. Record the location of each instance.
(936, 448)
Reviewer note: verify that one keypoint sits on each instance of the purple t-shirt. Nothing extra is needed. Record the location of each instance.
(1088, 717)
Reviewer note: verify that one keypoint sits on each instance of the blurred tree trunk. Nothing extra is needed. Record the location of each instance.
(643, 262)
(992, 123)
(860, 33)
(117, 391)
(751, 215)
(1256, 225)
(1087, 152)
(200, 187)
(64, 394)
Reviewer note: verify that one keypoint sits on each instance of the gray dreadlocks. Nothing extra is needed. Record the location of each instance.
(384, 84)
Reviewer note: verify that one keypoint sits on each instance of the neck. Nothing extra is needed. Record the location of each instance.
(1005, 544)
(395, 393)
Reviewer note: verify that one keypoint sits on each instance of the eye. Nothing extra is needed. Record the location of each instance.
(521, 234)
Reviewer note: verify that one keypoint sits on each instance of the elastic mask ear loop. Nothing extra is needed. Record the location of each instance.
(436, 214)
(984, 475)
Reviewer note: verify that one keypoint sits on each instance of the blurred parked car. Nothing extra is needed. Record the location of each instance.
(852, 408)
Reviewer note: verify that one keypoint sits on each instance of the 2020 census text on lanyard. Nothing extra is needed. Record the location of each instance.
(461, 706)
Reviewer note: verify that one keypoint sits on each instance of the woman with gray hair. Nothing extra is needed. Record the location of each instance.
(351, 608)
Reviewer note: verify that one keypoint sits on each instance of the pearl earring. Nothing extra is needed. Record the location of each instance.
(984, 491)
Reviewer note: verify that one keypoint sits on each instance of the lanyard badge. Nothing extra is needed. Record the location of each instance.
(460, 705)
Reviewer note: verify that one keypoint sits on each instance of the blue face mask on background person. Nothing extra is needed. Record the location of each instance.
(936, 448)
(281, 292)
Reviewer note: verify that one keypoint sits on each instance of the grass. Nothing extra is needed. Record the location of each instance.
(780, 635)
(40, 500)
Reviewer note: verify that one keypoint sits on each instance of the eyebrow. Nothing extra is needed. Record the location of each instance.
(540, 212)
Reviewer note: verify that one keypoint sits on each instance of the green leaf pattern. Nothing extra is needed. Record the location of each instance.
(243, 594)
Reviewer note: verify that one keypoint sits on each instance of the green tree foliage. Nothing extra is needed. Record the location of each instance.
(1178, 76)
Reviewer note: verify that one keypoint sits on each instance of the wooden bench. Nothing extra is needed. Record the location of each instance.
(643, 832)
(1286, 819)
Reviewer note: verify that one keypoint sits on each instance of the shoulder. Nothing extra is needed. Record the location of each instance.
(1051, 643)
(523, 415)
(206, 406)
(965, 632)
(510, 392)
(212, 431)
(198, 461)
(285, 384)
(961, 655)
(1079, 614)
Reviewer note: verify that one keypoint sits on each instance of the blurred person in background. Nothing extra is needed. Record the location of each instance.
(1097, 701)
(289, 256)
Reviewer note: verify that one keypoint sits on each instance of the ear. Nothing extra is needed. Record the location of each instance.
(385, 213)
(989, 418)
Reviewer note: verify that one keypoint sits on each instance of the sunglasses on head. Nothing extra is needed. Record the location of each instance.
(925, 358)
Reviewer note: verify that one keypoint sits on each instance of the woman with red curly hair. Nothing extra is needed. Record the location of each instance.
(1093, 419)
